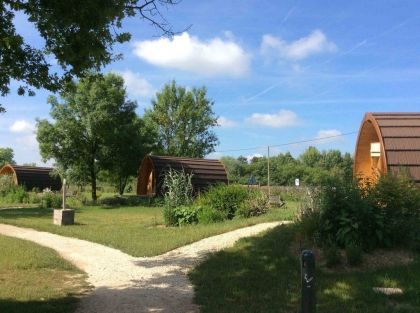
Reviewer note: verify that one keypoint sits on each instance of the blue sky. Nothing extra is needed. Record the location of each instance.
(277, 71)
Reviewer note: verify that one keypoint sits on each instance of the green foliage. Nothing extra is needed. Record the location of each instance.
(178, 188)
(96, 120)
(354, 254)
(178, 193)
(207, 215)
(225, 199)
(372, 216)
(51, 200)
(16, 194)
(257, 203)
(130, 201)
(80, 36)
(331, 255)
(186, 215)
(312, 167)
(6, 156)
(397, 198)
(6, 184)
(182, 121)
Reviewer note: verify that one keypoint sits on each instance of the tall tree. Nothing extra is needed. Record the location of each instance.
(80, 35)
(182, 121)
(6, 156)
(94, 127)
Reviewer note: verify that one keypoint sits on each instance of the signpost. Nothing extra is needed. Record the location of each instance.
(308, 304)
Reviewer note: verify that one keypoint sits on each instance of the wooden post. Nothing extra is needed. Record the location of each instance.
(64, 193)
(268, 170)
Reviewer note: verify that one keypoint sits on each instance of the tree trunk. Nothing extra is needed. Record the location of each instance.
(122, 184)
(93, 181)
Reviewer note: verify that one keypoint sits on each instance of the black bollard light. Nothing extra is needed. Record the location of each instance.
(308, 282)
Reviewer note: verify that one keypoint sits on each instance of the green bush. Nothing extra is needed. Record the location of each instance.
(332, 255)
(354, 254)
(371, 216)
(186, 215)
(16, 194)
(207, 215)
(34, 197)
(397, 198)
(346, 216)
(179, 216)
(6, 184)
(226, 199)
(51, 200)
(169, 216)
(256, 203)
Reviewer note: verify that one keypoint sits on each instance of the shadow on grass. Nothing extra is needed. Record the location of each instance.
(260, 275)
(62, 305)
(25, 213)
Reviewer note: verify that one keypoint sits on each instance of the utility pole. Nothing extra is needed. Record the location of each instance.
(268, 170)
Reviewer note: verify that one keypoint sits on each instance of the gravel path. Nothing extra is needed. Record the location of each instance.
(127, 284)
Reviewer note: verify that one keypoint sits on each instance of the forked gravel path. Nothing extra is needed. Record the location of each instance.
(127, 284)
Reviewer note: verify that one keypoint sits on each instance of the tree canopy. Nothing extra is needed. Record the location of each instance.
(182, 121)
(95, 129)
(6, 156)
(312, 167)
(79, 35)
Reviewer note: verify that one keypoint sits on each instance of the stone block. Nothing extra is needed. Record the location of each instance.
(63, 217)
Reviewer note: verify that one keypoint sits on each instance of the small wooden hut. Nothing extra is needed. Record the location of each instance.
(32, 177)
(388, 142)
(152, 172)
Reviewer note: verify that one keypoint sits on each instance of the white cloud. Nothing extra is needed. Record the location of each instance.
(255, 155)
(184, 52)
(22, 126)
(315, 43)
(226, 123)
(283, 118)
(329, 135)
(136, 85)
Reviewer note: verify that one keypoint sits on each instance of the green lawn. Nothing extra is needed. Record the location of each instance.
(34, 279)
(138, 231)
(260, 275)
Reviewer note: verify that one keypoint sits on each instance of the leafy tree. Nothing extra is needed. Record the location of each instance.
(6, 156)
(123, 159)
(94, 128)
(182, 121)
(80, 35)
(311, 157)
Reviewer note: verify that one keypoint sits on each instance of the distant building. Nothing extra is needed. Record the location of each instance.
(31, 177)
(153, 168)
(388, 142)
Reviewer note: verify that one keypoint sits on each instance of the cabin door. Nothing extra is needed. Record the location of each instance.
(150, 183)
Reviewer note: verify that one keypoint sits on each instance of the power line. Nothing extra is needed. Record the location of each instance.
(289, 143)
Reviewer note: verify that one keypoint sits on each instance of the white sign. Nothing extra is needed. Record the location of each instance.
(297, 182)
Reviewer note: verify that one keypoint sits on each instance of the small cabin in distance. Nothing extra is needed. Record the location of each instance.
(388, 142)
(31, 177)
(153, 168)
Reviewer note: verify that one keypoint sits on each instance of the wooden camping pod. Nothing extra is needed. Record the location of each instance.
(152, 171)
(388, 142)
(32, 177)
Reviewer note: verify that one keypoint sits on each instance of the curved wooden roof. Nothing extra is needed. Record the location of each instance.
(205, 172)
(32, 177)
(399, 135)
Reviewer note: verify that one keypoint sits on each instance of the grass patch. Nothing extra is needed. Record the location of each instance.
(259, 274)
(138, 231)
(34, 279)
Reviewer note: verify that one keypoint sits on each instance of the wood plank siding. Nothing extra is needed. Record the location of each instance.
(399, 135)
